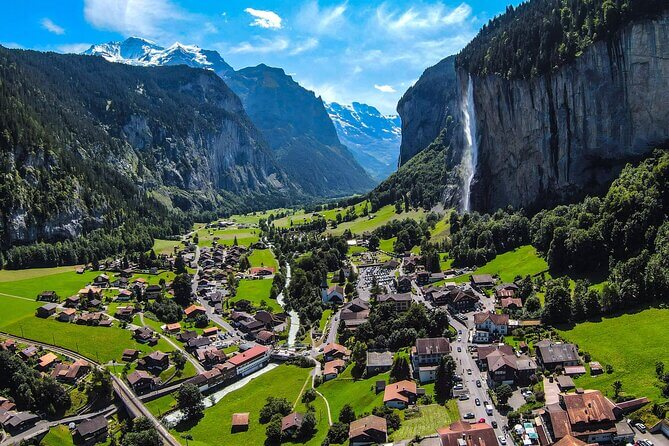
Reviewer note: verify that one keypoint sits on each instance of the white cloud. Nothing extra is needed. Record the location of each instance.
(329, 20)
(50, 26)
(73, 48)
(301, 47)
(12, 45)
(385, 88)
(264, 19)
(262, 46)
(159, 20)
(417, 18)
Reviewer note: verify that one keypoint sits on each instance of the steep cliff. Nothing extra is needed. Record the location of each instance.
(87, 144)
(556, 136)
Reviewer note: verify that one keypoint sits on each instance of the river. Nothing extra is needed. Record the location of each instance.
(294, 317)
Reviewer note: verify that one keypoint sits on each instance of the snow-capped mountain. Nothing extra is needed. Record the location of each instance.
(138, 51)
(373, 138)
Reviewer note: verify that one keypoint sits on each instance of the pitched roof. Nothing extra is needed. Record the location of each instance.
(474, 434)
(588, 407)
(363, 426)
(485, 350)
(556, 352)
(432, 346)
(568, 440)
(291, 420)
(399, 391)
(509, 301)
(248, 355)
(497, 319)
(92, 426)
(395, 297)
(240, 419)
(334, 348)
(379, 359)
(194, 308)
(482, 278)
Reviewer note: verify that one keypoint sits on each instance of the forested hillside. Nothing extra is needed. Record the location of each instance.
(119, 153)
(540, 35)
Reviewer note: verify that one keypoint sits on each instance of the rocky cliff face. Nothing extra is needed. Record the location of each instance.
(559, 136)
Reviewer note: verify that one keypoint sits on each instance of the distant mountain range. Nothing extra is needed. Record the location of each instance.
(292, 119)
(373, 138)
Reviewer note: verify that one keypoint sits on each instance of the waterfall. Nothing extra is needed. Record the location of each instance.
(470, 156)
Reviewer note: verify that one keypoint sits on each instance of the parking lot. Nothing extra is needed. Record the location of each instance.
(384, 278)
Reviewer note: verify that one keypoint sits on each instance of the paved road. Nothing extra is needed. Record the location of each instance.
(130, 400)
(187, 355)
(334, 327)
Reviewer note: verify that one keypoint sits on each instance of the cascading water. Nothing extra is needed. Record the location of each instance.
(470, 155)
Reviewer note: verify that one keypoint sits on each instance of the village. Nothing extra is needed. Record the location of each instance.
(506, 378)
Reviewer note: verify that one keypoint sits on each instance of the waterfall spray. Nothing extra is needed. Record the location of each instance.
(470, 155)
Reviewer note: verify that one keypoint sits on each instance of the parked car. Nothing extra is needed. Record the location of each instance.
(481, 420)
(641, 427)
(459, 349)
(478, 383)
(464, 397)
(493, 423)
(502, 440)
(469, 371)
(477, 402)
(458, 386)
(468, 416)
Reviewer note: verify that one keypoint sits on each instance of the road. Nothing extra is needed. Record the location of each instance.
(132, 403)
(187, 355)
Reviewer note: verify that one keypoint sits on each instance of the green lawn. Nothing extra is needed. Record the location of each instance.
(214, 428)
(256, 291)
(162, 405)
(58, 436)
(631, 343)
(263, 257)
(520, 262)
(387, 244)
(359, 394)
(324, 319)
(431, 417)
(10, 275)
(322, 424)
(227, 236)
(161, 246)
(30, 283)
(442, 230)
(375, 220)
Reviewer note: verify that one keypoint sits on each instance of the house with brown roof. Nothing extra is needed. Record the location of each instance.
(402, 301)
(47, 361)
(47, 310)
(261, 271)
(506, 290)
(503, 368)
(482, 280)
(70, 373)
(155, 361)
(142, 381)
(95, 429)
(403, 284)
(8, 345)
(367, 431)
(378, 362)
(334, 294)
(28, 352)
(490, 326)
(265, 337)
(588, 416)
(240, 422)
(552, 354)
(291, 423)
(172, 328)
(72, 302)
(67, 315)
(194, 311)
(462, 433)
(511, 303)
(145, 335)
(354, 313)
(335, 351)
(463, 300)
(400, 395)
(130, 354)
(426, 356)
(333, 368)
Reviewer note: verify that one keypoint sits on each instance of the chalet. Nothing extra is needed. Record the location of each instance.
(142, 381)
(509, 369)
(511, 303)
(410, 263)
(390, 264)
(13, 421)
(334, 294)
(47, 361)
(152, 291)
(265, 337)
(145, 335)
(402, 301)
(506, 290)
(6, 405)
(47, 310)
(426, 356)
(240, 422)
(101, 281)
(129, 355)
(70, 373)
(155, 361)
(354, 313)
(378, 362)
(588, 416)
(48, 296)
(210, 356)
(596, 368)
(422, 278)
(72, 302)
(483, 351)
(187, 335)
(8, 345)
(251, 360)
(291, 423)
(125, 312)
(28, 352)
(463, 300)
(124, 295)
(270, 320)
(93, 430)
(335, 351)
(551, 354)
(126, 273)
(172, 328)
(194, 310)
(261, 271)
(90, 292)
(482, 281)
(400, 395)
(93, 303)
(333, 368)
(67, 315)
(368, 431)
(199, 342)
(490, 325)
(462, 433)
(403, 284)
(250, 325)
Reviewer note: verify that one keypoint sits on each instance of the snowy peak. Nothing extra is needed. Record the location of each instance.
(373, 138)
(137, 51)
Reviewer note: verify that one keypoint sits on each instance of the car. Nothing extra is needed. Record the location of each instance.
(502, 440)
(477, 402)
(469, 371)
(459, 338)
(464, 397)
(481, 420)
(458, 386)
(459, 349)
(493, 423)
(468, 415)
(641, 427)
(459, 331)
(478, 383)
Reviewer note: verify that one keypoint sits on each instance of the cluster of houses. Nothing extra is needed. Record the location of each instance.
(262, 327)
(335, 357)
(247, 360)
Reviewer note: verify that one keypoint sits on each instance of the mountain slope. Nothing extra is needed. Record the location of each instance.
(548, 134)
(91, 145)
(292, 119)
(373, 138)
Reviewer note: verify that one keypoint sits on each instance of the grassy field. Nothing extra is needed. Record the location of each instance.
(165, 246)
(431, 417)
(162, 405)
(263, 257)
(387, 244)
(227, 236)
(359, 394)
(58, 436)
(32, 282)
(324, 319)
(375, 220)
(631, 343)
(253, 218)
(442, 230)
(520, 262)
(256, 291)
(214, 428)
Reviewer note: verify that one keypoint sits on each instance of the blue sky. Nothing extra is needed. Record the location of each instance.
(355, 50)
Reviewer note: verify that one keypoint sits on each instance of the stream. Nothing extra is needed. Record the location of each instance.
(294, 317)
